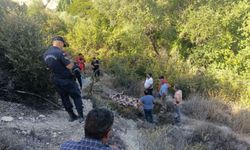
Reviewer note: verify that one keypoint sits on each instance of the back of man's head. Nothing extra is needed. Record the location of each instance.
(98, 123)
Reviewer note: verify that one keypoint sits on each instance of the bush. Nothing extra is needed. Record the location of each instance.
(125, 78)
(215, 138)
(21, 43)
(202, 108)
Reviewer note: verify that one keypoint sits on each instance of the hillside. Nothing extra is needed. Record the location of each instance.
(202, 46)
(47, 129)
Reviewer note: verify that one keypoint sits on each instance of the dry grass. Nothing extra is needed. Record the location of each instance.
(202, 108)
(215, 138)
(8, 141)
(204, 137)
(241, 121)
(155, 139)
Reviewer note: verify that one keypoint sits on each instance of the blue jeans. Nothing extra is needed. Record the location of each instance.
(148, 115)
(178, 113)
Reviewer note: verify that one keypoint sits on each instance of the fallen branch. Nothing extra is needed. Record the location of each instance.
(33, 94)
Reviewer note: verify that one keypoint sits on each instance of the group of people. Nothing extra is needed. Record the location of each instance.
(148, 100)
(98, 124)
(65, 72)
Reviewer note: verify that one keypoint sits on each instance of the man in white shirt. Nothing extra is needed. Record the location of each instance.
(148, 84)
(177, 102)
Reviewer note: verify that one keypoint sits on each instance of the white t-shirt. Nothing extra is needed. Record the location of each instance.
(149, 82)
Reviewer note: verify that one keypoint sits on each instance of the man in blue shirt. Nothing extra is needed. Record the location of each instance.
(148, 103)
(97, 132)
(61, 67)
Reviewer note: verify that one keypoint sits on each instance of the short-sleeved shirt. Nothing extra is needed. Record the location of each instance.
(84, 144)
(57, 61)
(163, 89)
(148, 83)
(147, 101)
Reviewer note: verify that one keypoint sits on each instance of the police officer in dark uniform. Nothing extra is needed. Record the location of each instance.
(61, 66)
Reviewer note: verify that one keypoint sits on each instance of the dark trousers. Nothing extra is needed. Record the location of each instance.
(150, 91)
(79, 78)
(96, 72)
(148, 115)
(68, 88)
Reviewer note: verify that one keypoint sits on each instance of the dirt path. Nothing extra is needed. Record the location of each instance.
(47, 130)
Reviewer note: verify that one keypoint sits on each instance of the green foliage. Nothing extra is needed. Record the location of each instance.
(201, 45)
(80, 7)
(63, 5)
(21, 43)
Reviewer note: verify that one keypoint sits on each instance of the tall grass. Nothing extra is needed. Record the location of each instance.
(204, 108)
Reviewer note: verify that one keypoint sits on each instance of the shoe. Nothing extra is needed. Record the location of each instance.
(72, 116)
(71, 119)
(81, 119)
(80, 115)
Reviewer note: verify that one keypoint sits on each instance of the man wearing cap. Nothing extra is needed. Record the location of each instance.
(63, 79)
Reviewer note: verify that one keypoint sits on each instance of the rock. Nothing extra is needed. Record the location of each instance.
(54, 135)
(7, 118)
(22, 114)
(20, 118)
(41, 116)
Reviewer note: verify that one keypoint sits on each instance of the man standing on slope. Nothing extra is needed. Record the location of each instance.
(63, 79)
(148, 84)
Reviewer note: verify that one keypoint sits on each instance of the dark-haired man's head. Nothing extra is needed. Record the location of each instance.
(146, 92)
(161, 77)
(149, 75)
(80, 54)
(98, 124)
(176, 87)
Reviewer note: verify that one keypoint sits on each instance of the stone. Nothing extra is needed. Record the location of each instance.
(20, 118)
(7, 118)
(41, 116)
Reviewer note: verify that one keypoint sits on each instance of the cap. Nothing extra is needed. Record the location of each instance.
(59, 38)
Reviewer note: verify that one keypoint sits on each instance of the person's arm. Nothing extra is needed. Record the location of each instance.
(70, 66)
(139, 103)
(66, 61)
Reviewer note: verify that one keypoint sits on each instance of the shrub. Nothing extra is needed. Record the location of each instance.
(215, 138)
(125, 78)
(200, 107)
(21, 43)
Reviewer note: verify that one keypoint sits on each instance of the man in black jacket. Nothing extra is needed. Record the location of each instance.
(63, 79)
